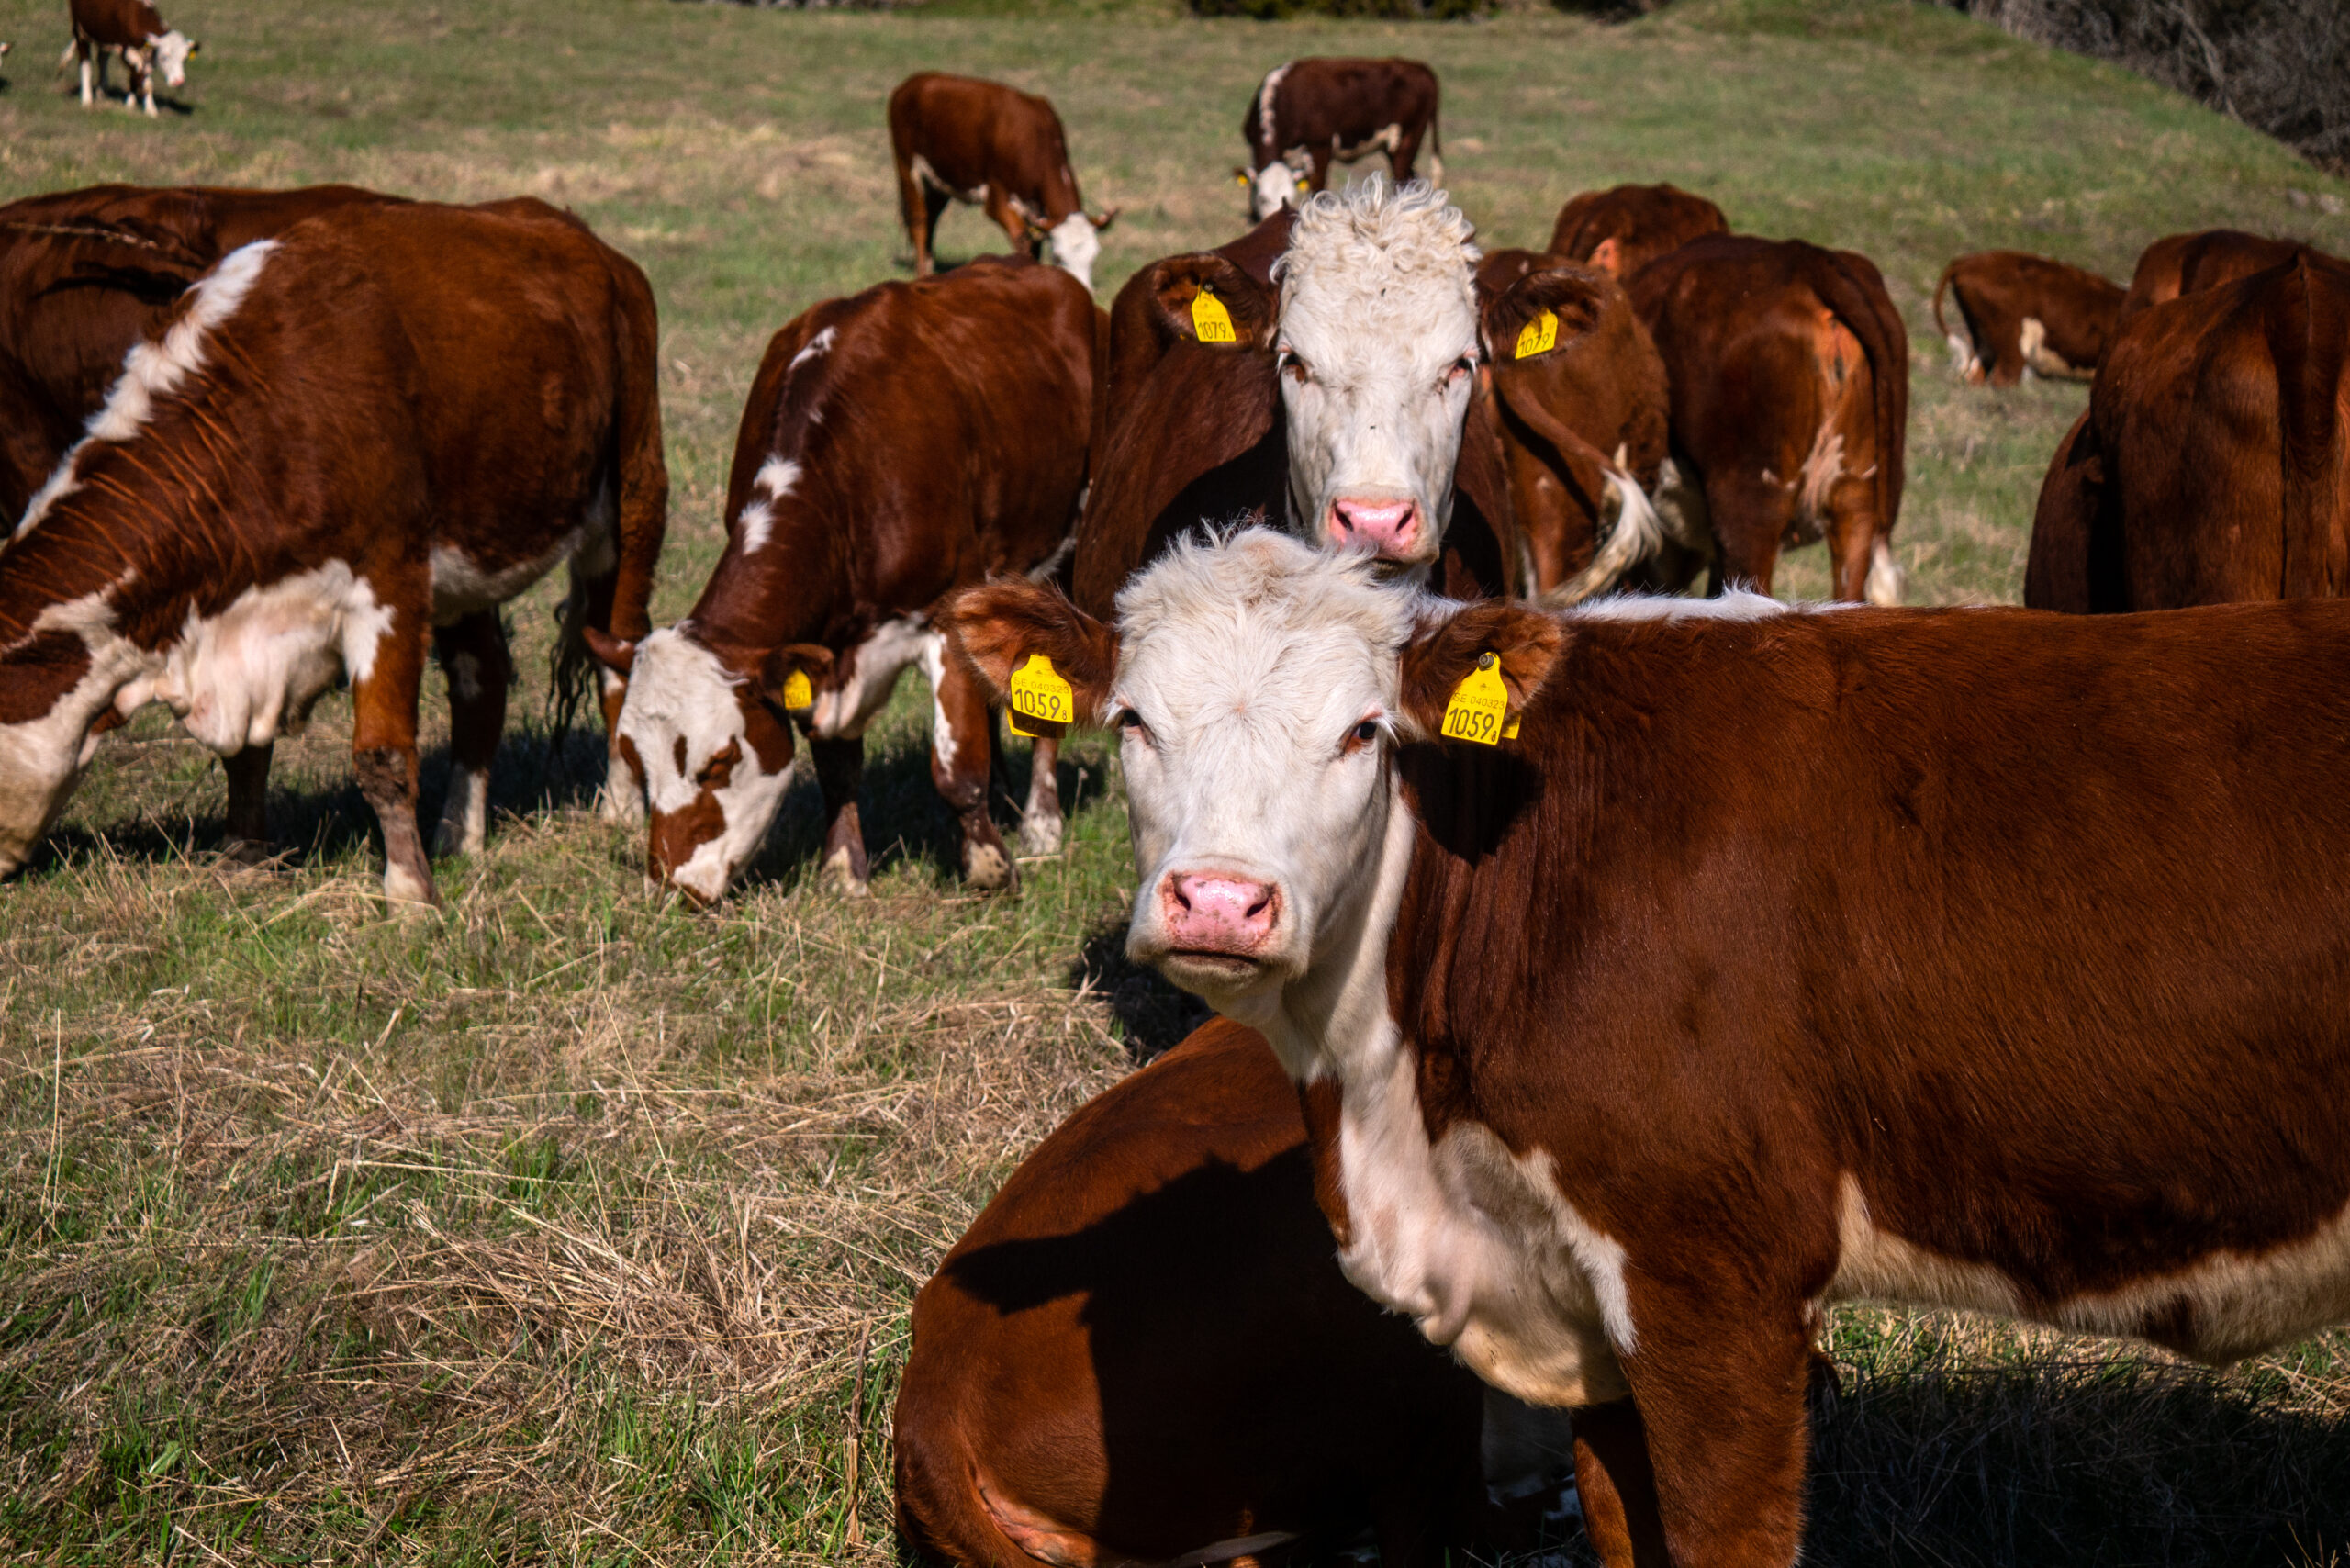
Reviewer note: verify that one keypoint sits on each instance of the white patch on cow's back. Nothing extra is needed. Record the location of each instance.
(814, 348)
(1268, 97)
(842, 712)
(774, 481)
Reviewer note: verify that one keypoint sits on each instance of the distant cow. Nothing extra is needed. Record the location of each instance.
(898, 445)
(135, 31)
(1622, 230)
(2208, 466)
(1308, 112)
(346, 444)
(959, 139)
(1619, 1067)
(1790, 370)
(1087, 1384)
(2022, 314)
(2184, 263)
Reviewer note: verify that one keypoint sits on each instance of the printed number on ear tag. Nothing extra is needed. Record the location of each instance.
(1210, 320)
(1479, 711)
(1539, 336)
(798, 691)
(1037, 692)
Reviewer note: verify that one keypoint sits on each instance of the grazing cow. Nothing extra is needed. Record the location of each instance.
(2208, 466)
(1622, 230)
(135, 31)
(1346, 405)
(2186, 263)
(1308, 112)
(959, 139)
(1087, 1386)
(2023, 315)
(346, 443)
(1619, 1070)
(1789, 369)
(898, 445)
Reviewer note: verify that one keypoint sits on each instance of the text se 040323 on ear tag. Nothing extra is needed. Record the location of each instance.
(1038, 693)
(1539, 336)
(1210, 320)
(798, 691)
(1479, 711)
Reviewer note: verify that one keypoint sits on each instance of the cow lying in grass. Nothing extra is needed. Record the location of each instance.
(1779, 959)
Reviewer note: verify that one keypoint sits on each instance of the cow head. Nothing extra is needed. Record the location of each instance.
(1258, 686)
(705, 735)
(172, 52)
(59, 682)
(1378, 354)
(1076, 241)
(1270, 188)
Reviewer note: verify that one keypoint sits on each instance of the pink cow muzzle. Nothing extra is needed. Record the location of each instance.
(1388, 529)
(1211, 914)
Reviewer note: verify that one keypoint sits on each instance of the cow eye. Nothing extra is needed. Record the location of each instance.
(1363, 734)
(1461, 368)
(1295, 368)
(1128, 723)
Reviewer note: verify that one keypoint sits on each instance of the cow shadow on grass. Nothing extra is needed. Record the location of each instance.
(1152, 1013)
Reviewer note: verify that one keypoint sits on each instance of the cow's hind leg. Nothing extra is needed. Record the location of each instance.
(383, 748)
(959, 742)
(840, 770)
(473, 655)
(1749, 513)
(248, 835)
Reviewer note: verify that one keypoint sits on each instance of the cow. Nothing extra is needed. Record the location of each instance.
(1345, 402)
(1619, 1070)
(2024, 315)
(1087, 1386)
(1789, 371)
(135, 31)
(346, 443)
(898, 445)
(1308, 112)
(1623, 228)
(2208, 465)
(2184, 263)
(960, 139)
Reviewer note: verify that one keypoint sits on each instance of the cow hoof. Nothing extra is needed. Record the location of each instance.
(452, 838)
(986, 868)
(1042, 835)
(408, 893)
(248, 854)
(838, 875)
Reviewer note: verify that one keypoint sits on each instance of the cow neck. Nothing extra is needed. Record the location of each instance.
(782, 592)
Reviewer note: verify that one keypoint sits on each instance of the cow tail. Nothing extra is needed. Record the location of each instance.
(1941, 329)
(2306, 330)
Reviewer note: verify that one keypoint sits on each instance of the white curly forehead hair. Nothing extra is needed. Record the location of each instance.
(1350, 248)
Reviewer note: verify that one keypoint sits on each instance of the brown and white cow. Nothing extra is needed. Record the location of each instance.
(898, 445)
(1623, 228)
(2187, 264)
(2022, 314)
(961, 139)
(347, 443)
(1087, 1385)
(1309, 112)
(2208, 466)
(1619, 1070)
(1790, 370)
(135, 31)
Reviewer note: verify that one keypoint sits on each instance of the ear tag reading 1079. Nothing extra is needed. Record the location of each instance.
(1039, 693)
(1210, 320)
(1539, 336)
(798, 691)
(1479, 711)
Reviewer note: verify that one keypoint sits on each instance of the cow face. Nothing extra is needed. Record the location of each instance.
(1378, 359)
(1271, 188)
(171, 51)
(1077, 243)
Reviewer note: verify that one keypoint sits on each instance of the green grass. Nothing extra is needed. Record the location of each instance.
(553, 1229)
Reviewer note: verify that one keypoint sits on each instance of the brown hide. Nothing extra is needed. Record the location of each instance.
(1149, 315)
(1997, 291)
(117, 24)
(991, 144)
(1143, 1346)
(1770, 347)
(2184, 263)
(1622, 230)
(1327, 108)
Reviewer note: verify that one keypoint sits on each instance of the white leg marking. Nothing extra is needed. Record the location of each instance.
(464, 818)
(1885, 579)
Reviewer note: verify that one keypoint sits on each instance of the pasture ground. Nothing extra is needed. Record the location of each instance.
(572, 1226)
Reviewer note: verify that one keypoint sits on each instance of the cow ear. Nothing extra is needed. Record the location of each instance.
(1236, 298)
(615, 654)
(787, 676)
(1609, 257)
(1106, 220)
(995, 626)
(1570, 293)
(1526, 645)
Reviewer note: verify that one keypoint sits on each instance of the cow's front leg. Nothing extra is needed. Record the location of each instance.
(1617, 1487)
(1043, 829)
(248, 835)
(383, 749)
(89, 95)
(473, 655)
(840, 769)
(959, 745)
(1009, 219)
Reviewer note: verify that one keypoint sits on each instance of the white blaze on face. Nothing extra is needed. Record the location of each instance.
(1274, 186)
(171, 57)
(1075, 245)
(1378, 345)
(702, 777)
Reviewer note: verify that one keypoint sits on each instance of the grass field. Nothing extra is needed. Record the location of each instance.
(573, 1227)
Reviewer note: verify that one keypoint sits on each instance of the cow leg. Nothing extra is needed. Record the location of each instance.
(1617, 1487)
(921, 207)
(1008, 219)
(473, 655)
(383, 749)
(1404, 154)
(959, 766)
(1749, 517)
(840, 769)
(1042, 828)
(248, 835)
(100, 64)
(1317, 173)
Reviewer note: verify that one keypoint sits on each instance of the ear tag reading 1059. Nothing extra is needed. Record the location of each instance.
(1210, 320)
(798, 691)
(1037, 692)
(1539, 336)
(1479, 711)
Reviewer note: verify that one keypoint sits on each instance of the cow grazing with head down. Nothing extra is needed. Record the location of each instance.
(135, 31)
(898, 445)
(1623, 228)
(960, 139)
(1310, 112)
(345, 445)
(1617, 1071)
(1789, 371)
(2208, 466)
(2189, 264)
(2023, 315)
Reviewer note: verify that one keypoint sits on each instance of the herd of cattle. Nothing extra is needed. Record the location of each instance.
(1620, 978)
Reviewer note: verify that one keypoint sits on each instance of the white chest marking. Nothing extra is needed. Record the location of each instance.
(874, 665)
(245, 676)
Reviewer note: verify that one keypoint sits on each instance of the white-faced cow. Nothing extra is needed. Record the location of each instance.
(960, 139)
(898, 445)
(1310, 112)
(1619, 1070)
(135, 31)
(345, 445)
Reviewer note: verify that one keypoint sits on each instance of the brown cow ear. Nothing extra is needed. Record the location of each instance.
(1608, 256)
(1515, 329)
(1177, 285)
(1526, 645)
(995, 626)
(1106, 220)
(787, 676)
(615, 654)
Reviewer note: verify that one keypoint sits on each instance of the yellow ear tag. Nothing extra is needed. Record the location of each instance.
(1210, 320)
(798, 691)
(1539, 336)
(1479, 711)
(1039, 693)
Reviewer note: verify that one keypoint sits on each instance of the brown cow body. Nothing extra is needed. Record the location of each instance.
(133, 29)
(1790, 370)
(2022, 314)
(1307, 113)
(1623, 228)
(961, 139)
(2187, 264)
(347, 443)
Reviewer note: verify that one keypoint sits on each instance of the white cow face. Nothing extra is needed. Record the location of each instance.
(171, 51)
(1271, 188)
(1378, 354)
(1077, 244)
